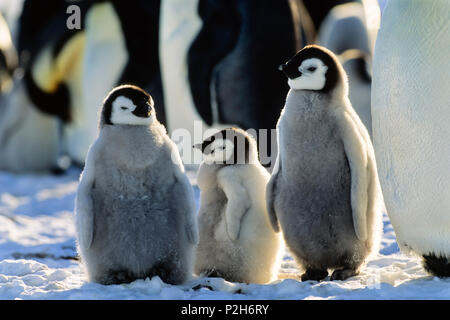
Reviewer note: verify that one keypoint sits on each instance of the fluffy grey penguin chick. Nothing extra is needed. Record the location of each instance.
(237, 242)
(324, 191)
(135, 209)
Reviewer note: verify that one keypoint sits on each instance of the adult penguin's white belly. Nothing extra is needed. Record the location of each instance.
(105, 56)
(180, 24)
(411, 122)
(29, 138)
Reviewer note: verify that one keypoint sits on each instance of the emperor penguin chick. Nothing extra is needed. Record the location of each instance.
(237, 242)
(135, 209)
(324, 191)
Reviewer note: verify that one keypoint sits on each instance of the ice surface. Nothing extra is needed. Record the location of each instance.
(38, 258)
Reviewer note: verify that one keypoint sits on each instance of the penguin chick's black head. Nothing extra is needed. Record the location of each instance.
(312, 68)
(229, 146)
(127, 105)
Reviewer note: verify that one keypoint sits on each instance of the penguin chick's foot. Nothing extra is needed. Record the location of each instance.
(117, 277)
(343, 274)
(314, 275)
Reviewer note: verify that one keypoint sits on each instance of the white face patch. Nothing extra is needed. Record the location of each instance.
(121, 113)
(221, 151)
(313, 75)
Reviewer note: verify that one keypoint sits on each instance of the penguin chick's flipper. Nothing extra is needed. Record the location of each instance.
(270, 194)
(179, 190)
(83, 204)
(343, 274)
(358, 158)
(314, 275)
(238, 202)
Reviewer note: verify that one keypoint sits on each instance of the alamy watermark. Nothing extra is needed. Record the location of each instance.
(73, 21)
(185, 141)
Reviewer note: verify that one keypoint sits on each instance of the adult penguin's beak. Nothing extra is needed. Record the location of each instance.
(282, 67)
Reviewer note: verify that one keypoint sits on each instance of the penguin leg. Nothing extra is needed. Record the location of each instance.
(117, 277)
(314, 274)
(343, 274)
(169, 272)
(161, 270)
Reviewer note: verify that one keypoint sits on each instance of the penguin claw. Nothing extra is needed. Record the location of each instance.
(343, 274)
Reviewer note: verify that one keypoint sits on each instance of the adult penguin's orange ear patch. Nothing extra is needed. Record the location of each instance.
(47, 79)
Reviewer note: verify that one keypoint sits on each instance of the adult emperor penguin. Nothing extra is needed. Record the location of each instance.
(211, 67)
(118, 43)
(237, 242)
(29, 138)
(411, 132)
(344, 28)
(38, 105)
(324, 191)
(121, 47)
(344, 31)
(135, 209)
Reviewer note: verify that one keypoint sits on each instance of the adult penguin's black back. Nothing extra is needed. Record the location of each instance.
(233, 61)
(140, 25)
(40, 24)
(318, 9)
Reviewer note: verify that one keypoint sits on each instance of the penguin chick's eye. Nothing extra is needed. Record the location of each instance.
(221, 148)
(124, 108)
(312, 69)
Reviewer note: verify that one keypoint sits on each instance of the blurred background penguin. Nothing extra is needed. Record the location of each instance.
(344, 31)
(209, 60)
(8, 56)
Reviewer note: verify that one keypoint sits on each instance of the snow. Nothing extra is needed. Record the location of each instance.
(38, 258)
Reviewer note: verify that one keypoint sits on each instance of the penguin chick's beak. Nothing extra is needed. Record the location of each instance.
(289, 73)
(284, 68)
(142, 111)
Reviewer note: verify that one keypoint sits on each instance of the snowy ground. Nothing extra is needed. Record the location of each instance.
(38, 258)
